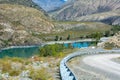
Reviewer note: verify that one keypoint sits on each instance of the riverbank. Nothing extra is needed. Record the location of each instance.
(71, 41)
(50, 42)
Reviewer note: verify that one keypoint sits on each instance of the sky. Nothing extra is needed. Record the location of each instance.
(64, 0)
(49, 5)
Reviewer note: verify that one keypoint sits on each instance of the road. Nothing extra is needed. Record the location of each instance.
(70, 41)
(104, 64)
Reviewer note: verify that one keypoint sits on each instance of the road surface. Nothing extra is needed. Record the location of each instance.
(104, 64)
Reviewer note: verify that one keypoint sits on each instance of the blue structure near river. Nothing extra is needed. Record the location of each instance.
(77, 44)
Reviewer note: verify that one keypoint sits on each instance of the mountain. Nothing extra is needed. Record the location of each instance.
(20, 24)
(111, 17)
(23, 24)
(80, 9)
(28, 3)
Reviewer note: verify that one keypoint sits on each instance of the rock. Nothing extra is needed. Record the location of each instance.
(16, 66)
(114, 42)
(116, 22)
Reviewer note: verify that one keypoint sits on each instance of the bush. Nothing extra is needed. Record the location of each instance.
(40, 74)
(109, 45)
(16, 59)
(68, 38)
(5, 66)
(51, 50)
(14, 72)
(56, 38)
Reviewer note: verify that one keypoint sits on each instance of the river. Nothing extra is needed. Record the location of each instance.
(26, 52)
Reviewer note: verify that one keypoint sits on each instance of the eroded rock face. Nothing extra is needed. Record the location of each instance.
(6, 31)
(117, 21)
(111, 17)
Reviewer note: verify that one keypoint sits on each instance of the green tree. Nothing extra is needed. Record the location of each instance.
(60, 38)
(56, 38)
(68, 38)
(51, 50)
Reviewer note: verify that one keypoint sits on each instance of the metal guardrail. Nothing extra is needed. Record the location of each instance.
(66, 73)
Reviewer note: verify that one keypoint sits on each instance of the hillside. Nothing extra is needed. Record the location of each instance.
(24, 25)
(80, 8)
(111, 17)
(80, 26)
(75, 29)
(19, 25)
(27, 3)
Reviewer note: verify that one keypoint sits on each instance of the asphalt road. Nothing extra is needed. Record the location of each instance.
(104, 64)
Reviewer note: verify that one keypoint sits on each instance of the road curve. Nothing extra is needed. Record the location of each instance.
(104, 64)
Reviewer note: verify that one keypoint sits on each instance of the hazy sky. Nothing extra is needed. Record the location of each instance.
(64, 0)
(48, 5)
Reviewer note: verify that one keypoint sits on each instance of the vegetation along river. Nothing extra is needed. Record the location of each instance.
(26, 52)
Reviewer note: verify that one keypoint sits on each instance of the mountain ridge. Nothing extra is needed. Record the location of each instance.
(26, 25)
(80, 8)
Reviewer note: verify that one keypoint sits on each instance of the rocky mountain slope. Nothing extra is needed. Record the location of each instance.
(86, 8)
(23, 24)
(80, 26)
(27, 3)
(19, 24)
(111, 17)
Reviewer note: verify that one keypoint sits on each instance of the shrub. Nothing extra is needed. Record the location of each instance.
(109, 45)
(51, 50)
(68, 38)
(40, 74)
(14, 72)
(5, 65)
(56, 38)
(16, 59)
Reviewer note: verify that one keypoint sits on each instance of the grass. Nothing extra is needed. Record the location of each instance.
(74, 29)
(40, 74)
(43, 73)
(74, 34)
(27, 3)
(22, 20)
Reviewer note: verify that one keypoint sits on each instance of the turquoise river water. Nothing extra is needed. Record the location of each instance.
(26, 52)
